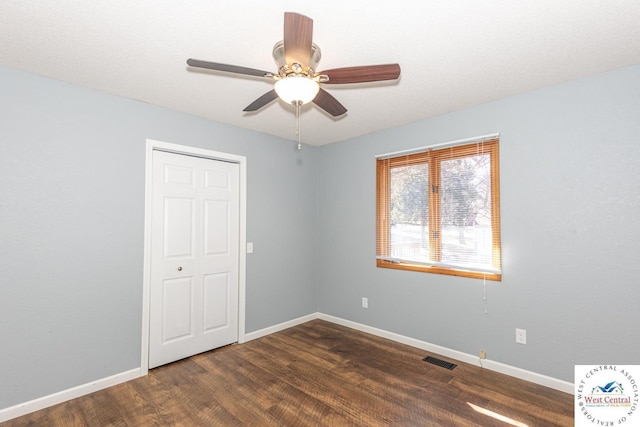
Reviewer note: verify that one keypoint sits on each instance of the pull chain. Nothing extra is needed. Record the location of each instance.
(298, 104)
(484, 293)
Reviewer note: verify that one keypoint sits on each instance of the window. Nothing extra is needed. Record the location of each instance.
(438, 211)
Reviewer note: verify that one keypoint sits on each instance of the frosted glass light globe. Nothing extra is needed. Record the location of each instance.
(297, 88)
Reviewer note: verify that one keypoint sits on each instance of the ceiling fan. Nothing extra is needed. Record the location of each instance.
(296, 81)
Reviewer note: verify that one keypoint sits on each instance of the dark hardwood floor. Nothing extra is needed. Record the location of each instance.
(315, 374)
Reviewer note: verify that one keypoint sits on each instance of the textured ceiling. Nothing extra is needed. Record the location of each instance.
(453, 54)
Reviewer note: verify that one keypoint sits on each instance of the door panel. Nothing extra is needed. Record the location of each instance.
(178, 227)
(216, 290)
(194, 256)
(177, 309)
(216, 227)
(217, 179)
(179, 175)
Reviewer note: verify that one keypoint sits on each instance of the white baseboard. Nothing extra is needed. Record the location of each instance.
(62, 396)
(75, 392)
(532, 377)
(522, 374)
(280, 327)
(82, 390)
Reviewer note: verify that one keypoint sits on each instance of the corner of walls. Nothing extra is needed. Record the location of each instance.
(72, 179)
(502, 368)
(566, 163)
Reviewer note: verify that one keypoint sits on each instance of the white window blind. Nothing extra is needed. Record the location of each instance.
(438, 210)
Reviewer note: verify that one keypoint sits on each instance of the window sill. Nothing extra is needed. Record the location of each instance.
(438, 270)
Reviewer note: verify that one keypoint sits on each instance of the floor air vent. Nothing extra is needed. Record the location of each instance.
(438, 362)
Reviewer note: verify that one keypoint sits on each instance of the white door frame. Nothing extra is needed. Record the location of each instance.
(146, 278)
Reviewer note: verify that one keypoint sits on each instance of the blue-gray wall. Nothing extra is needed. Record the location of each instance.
(71, 229)
(570, 206)
(72, 216)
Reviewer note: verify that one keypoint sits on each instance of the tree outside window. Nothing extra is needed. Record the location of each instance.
(438, 211)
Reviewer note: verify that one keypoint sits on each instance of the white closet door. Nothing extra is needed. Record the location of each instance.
(194, 256)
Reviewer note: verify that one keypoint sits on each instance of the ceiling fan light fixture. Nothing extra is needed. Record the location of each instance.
(296, 81)
(297, 88)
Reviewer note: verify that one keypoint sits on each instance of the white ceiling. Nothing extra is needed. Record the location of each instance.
(453, 54)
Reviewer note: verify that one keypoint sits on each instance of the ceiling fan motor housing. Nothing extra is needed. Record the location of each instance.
(285, 69)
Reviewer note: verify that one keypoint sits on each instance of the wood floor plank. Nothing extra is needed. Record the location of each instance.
(316, 377)
(268, 392)
(314, 374)
(392, 392)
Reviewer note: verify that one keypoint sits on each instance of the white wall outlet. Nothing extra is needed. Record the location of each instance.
(482, 354)
(365, 302)
(521, 336)
(249, 247)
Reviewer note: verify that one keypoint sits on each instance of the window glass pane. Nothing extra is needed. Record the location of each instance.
(409, 215)
(465, 197)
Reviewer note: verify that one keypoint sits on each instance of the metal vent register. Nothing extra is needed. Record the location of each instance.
(439, 362)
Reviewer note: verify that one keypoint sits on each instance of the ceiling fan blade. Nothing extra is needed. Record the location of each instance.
(228, 68)
(298, 35)
(328, 103)
(262, 101)
(362, 74)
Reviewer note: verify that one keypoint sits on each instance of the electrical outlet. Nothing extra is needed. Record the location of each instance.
(365, 302)
(482, 354)
(521, 336)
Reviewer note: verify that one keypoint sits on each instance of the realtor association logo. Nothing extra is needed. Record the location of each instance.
(607, 395)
